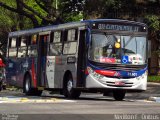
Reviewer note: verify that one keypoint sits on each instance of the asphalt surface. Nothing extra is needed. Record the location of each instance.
(87, 107)
(152, 93)
(14, 95)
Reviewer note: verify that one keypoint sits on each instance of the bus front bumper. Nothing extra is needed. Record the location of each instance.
(137, 84)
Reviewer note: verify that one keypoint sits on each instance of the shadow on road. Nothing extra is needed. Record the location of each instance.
(130, 97)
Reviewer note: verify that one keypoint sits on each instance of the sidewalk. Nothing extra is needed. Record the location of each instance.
(152, 93)
(153, 89)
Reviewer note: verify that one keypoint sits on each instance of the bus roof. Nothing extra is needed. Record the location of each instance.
(68, 25)
(46, 28)
(115, 21)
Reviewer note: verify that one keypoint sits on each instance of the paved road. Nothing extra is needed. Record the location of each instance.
(88, 107)
(86, 104)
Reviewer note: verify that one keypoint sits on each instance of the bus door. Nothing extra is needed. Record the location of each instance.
(81, 65)
(54, 65)
(42, 53)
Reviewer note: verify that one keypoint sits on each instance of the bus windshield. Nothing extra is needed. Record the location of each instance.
(117, 49)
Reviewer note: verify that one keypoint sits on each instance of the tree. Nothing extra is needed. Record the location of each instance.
(40, 12)
(22, 14)
(71, 10)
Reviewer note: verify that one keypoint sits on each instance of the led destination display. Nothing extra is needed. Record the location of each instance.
(119, 27)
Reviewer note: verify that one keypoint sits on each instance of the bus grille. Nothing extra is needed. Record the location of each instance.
(128, 84)
(118, 67)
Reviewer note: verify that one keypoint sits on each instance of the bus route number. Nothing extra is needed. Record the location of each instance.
(132, 74)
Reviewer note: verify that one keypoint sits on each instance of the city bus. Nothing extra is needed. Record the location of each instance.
(101, 55)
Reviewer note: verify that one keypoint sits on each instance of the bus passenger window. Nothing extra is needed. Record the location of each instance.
(32, 48)
(72, 35)
(23, 42)
(32, 51)
(57, 37)
(70, 48)
(55, 49)
(22, 49)
(13, 42)
(34, 39)
(12, 52)
(12, 47)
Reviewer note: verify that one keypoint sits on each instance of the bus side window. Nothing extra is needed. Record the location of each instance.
(9, 46)
(22, 46)
(70, 46)
(32, 46)
(13, 47)
(55, 43)
(72, 35)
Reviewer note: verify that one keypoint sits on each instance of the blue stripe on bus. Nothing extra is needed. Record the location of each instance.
(130, 74)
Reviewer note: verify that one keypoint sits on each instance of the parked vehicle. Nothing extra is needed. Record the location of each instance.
(2, 75)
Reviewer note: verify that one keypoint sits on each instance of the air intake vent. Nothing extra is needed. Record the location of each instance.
(127, 84)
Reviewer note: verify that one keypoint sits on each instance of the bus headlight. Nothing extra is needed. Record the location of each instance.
(142, 76)
(94, 74)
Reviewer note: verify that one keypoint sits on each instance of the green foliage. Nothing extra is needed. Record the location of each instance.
(11, 3)
(71, 10)
(153, 22)
(32, 4)
(154, 78)
(115, 4)
(73, 17)
(7, 19)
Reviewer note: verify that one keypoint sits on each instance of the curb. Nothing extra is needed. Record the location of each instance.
(152, 84)
(155, 99)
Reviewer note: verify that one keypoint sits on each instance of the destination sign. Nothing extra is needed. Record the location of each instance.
(119, 27)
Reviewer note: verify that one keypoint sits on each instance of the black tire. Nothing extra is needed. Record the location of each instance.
(4, 87)
(119, 95)
(68, 90)
(27, 87)
(0, 86)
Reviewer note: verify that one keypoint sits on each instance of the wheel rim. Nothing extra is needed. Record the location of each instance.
(69, 85)
(27, 85)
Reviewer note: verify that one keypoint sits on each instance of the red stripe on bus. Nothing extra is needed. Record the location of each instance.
(106, 72)
(34, 75)
(86, 72)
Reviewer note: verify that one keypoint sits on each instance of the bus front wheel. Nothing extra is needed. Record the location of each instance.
(1, 85)
(119, 94)
(68, 90)
(27, 88)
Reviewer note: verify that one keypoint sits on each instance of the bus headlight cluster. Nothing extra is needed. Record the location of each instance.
(142, 76)
(94, 74)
